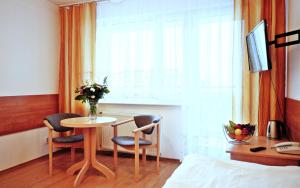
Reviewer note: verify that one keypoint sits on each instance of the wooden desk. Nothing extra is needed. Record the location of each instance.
(89, 133)
(267, 157)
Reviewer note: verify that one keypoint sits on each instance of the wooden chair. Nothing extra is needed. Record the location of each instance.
(67, 138)
(146, 125)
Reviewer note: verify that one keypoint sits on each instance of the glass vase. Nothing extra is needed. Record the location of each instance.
(93, 110)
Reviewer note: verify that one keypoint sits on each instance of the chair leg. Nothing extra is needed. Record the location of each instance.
(144, 156)
(115, 149)
(50, 150)
(136, 156)
(115, 156)
(50, 157)
(72, 154)
(144, 151)
(157, 158)
(157, 146)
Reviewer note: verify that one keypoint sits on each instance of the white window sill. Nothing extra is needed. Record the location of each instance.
(140, 102)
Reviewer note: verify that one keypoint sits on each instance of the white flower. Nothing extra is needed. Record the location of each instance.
(92, 89)
(93, 96)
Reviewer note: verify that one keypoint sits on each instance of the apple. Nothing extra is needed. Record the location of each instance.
(232, 136)
(238, 132)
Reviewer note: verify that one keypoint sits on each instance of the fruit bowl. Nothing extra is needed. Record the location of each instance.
(237, 133)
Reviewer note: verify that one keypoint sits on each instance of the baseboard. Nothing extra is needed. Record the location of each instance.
(131, 155)
(100, 152)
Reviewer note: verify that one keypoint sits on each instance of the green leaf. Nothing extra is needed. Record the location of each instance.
(231, 130)
(105, 80)
(81, 98)
(232, 124)
(105, 90)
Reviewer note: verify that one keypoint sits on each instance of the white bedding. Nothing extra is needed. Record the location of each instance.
(198, 171)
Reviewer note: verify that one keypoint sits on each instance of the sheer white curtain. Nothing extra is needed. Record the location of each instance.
(212, 78)
(140, 48)
(173, 52)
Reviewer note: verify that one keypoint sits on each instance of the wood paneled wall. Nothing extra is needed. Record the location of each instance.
(293, 118)
(21, 113)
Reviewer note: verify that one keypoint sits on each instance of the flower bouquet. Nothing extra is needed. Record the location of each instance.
(91, 92)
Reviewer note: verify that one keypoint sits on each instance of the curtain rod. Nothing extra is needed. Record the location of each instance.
(81, 2)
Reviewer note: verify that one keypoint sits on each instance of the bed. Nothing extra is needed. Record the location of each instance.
(199, 171)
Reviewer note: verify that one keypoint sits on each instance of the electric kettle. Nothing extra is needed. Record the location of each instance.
(276, 130)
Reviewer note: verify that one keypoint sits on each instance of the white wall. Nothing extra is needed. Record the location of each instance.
(22, 147)
(29, 48)
(293, 62)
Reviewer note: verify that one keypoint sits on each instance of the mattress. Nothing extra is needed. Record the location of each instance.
(199, 171)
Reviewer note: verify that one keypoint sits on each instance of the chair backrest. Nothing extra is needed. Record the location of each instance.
(55, 119)
(143, 120)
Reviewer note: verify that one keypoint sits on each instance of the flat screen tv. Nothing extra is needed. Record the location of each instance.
(258, 50)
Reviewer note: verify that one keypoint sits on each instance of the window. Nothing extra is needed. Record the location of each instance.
(174, 52)
(148, 48)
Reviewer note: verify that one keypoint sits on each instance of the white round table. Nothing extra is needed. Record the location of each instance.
(89, 132)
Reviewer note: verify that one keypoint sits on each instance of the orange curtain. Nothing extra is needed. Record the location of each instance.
(77, 53)
(247, 15)
(272, 87)
(261, 90)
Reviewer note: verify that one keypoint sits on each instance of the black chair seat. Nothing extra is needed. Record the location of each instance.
(55, 119)
(129, 141)
(68, 139)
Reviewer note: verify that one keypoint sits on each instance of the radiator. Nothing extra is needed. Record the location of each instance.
(123, 130)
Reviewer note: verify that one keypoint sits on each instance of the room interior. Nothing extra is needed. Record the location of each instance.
(39, 74)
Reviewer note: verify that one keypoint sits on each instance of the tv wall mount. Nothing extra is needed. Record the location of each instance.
(284, 44)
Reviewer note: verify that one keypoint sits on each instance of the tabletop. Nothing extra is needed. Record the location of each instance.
(85, 122)
(256, 141)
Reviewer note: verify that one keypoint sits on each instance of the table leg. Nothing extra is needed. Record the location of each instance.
(87, 156)
(81, 173)
(100, 167)
(75, 167)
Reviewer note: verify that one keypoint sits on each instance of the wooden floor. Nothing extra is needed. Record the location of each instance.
(34, 174)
